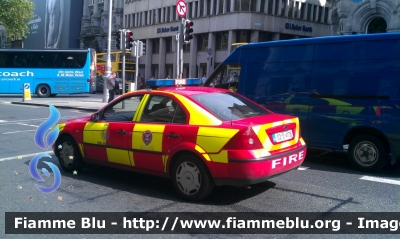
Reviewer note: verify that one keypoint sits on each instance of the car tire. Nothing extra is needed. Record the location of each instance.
(368, 154)
(68, 154)
(43, 91)
(191, 178)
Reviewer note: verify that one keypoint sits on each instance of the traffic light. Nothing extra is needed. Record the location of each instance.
(118, 40)
(142, 48)
(188, 31)
(128, 40)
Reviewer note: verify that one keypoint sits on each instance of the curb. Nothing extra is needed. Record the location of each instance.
(57, 106)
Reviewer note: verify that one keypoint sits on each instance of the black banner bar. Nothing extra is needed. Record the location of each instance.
(201, 223)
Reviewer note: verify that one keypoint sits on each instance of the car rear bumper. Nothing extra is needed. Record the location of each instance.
(242, 172)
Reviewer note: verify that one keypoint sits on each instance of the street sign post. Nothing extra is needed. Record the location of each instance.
(181, 8)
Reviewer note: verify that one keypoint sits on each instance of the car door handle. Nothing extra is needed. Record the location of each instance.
(121, 132)
(172, 135)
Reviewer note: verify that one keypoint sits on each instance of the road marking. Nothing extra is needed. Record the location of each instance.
(3, 122)
(24, 156)
(14, 132)
(302, 168)
(28, 125)
(380, 180)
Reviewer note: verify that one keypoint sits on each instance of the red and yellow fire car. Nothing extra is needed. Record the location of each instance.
(197, 136)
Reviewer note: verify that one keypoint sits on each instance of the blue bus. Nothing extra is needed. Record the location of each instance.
(344, 89)
(49, 72)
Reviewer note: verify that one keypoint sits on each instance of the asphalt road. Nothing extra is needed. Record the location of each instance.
(323, 184)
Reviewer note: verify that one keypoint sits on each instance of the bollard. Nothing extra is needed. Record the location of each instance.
(26, 92)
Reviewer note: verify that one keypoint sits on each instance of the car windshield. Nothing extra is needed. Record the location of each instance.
(229, 106)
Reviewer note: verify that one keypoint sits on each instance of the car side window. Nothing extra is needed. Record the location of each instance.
(162, 109)
(122, 110)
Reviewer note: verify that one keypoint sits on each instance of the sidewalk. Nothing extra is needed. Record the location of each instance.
(88, 104)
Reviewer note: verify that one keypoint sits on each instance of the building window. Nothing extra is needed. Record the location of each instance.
(270, 6)
(214, 11)
(168, 44)
(243, 36)
(167, 17)
(145, 18)
(291, 8)
(186, 47)
(262, 6)
(286, 36)
(158, 15)
(201, 8)
(264, 36)
(208, 9)
(156, 46)
(189, 13)
(321, 10)
(228, 6)
(326, 14)
(174, 16)
(222, 41)
(220, 7)
(245, 5)
(126, 21)
(309, 10)
(202, 43)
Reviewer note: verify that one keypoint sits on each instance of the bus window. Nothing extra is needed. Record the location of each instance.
(225, 77)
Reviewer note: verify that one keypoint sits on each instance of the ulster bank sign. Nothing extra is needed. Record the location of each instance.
(167, 29)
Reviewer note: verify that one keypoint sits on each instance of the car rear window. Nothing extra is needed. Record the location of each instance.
(229, 106)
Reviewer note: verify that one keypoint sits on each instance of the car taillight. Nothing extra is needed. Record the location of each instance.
(244, 140)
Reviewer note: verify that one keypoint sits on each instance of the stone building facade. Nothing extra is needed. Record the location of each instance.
(94, 28)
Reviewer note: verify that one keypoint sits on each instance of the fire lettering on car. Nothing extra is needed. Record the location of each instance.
(288, 160)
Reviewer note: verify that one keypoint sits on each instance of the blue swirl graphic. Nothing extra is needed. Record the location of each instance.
(35, 174)
(45, 126)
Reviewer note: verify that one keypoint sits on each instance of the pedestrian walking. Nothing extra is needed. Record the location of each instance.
(111, 82)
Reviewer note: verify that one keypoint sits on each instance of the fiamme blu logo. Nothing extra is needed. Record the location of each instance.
(45, 141)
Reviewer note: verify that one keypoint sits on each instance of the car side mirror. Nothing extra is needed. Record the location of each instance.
(95, 117)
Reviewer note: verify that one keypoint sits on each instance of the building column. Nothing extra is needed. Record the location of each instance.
(148, 56)
(161, 60)
(205, 8)
(212, 10)
(211, 57)
(298, 9)
(254, 36)
(224, 7)
(305, 10)
(162, 15)
(275, 36)
(273, 7)
(193, 57)
(232, 9)
(286, 8)
(258, 6)
(231, 39)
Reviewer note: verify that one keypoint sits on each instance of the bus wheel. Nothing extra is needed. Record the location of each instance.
(191, 179)
(43, 91)
(367, 153)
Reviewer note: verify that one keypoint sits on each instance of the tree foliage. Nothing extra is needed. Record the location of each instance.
(15, 15)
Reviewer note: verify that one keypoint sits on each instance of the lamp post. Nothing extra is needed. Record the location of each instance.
(108, 62)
